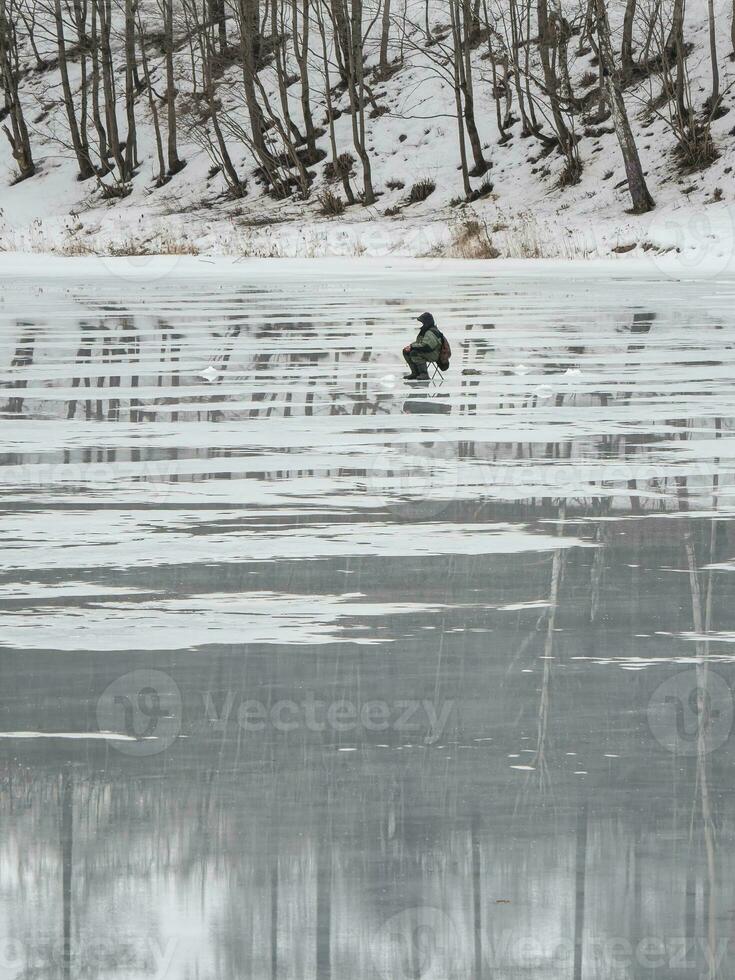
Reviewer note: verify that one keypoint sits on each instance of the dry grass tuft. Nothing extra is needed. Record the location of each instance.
(421, 190)
(331, 205)
(472, 240)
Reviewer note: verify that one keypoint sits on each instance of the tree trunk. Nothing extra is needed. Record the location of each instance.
(18, 138)
(527, 127)
(642, 200)
(161, 179)
(218, 16)
(80, 21)
(81, 152)
(301, 52)
(531, 121)
(31, 34)
(207, 53)
(385, 36)
(250, 43)
(465, 24)
(291, 152)
(175, 164)
(626, 47)
(281, 66)
(675, 46)
(341, 36)
(96, 115)
(715, 98)
(131, 142)
(551, 83)
(337, 163)
(496, 90)
(108, 84)
(563, 36)
(456, 63)
(356, 88)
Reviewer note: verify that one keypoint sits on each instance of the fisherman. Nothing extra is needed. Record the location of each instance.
(424, 350)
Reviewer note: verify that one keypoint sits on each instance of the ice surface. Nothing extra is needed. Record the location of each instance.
(307, 674)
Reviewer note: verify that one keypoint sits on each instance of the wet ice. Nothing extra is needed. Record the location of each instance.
(539, 548)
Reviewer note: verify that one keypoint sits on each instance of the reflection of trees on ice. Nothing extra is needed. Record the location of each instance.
(705, 714)
(502, 891)
(541, 601)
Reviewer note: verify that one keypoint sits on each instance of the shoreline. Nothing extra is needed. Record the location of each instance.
(678, 242)
(149, 268)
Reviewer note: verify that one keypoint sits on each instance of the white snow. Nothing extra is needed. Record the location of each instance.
(692, 230)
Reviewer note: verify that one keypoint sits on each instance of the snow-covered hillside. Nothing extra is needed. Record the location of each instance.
(519, 207)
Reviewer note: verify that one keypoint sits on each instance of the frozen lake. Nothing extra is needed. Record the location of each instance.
(310, 674)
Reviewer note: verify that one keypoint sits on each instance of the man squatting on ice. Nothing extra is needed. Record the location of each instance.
(424, 350)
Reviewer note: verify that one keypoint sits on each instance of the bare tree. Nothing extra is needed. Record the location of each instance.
(385, 36)
(175, 163)
(103, 149)
(300, 32)
(464, 27)
(715, 96)
(341, 162)
(216, 148)
(152, 103)
(104, 12)
(642, 200)
(675, 104)
(131, 141)
(546, 44)
(77, 132)
(627, 64)
(10, 70)
(348, 19)
(244, 80)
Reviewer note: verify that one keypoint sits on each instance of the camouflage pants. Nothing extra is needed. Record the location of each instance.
(417, 362)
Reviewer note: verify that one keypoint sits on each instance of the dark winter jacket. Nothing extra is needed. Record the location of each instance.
(428, 343)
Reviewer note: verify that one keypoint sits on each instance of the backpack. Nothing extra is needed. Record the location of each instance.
(445, 352)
